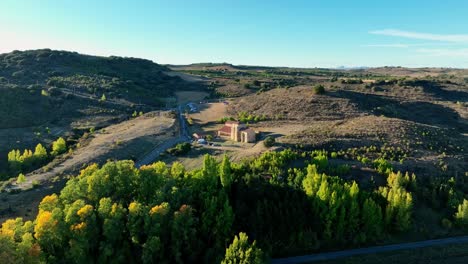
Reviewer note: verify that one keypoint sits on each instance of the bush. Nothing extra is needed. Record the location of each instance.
(59, 146)
(319, 89)
(365, 160)
(180, 149)
(269, 142)
(225, 119)
(382, 166)
(21, 178)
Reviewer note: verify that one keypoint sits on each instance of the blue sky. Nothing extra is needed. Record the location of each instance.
(314, 33)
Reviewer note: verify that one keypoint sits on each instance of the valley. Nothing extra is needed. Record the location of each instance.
(327, 146)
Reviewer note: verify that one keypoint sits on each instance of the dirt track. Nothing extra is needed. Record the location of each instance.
(115, 142)
(132, 138)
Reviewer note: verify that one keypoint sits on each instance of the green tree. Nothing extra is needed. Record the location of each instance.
(113, 246)
(177, 170)
(242, 252)
(354, 212)
(312, 181)
(21, 178)
(14, 161)
(59, 146)
(399, 208)
(49, 230)
(461, 216)
(225, 172)
(372, 220)
(183, 235)
(40, 154)
(157, 229)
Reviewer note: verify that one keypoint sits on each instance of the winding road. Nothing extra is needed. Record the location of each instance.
(370, 250)
(183, 137)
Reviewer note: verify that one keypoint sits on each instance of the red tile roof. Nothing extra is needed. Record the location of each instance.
(225, 129)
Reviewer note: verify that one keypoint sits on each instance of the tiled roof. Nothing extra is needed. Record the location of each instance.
(225, 129)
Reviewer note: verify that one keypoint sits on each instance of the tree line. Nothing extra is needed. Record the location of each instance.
(222, 212)
(23, 162)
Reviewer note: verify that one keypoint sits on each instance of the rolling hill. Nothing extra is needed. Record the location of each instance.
(46, 93)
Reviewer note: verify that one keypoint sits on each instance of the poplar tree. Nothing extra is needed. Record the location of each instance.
(242, 252)
(225, 172)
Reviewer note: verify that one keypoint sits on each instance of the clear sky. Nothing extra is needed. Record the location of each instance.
(309, 33)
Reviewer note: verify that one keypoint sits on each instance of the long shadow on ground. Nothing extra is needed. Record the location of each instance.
(420, 112)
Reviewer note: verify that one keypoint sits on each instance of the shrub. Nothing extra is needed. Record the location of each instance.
(321, 161)
(180, 149)
(382, 166)
(269, 142)
(225, 119)
(365, 160)
(319, 89)
(21, 178)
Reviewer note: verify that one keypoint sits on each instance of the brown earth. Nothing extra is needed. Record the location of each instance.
(130, 139)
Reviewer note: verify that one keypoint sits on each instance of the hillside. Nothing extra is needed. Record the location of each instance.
(358, 157)
(46, 93)
(62, 75)
(423, 111)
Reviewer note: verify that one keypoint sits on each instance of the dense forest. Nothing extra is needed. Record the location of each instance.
(279, 204)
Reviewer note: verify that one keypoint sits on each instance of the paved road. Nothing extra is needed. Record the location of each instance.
(183, 124)
(370, 250)
(154, 154)
(183, 137)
